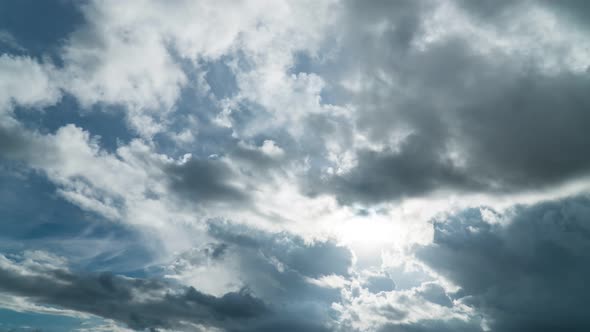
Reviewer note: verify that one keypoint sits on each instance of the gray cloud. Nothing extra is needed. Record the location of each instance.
(499, 9)
(204, 180)
(463, 119)
(435, 293)
(527, 275)
(418, 168)
(16, 143)
(149, 303)
(198, 181)
(142, 303)
(139, 303)
(276, 266)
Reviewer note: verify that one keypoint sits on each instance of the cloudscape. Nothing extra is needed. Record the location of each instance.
(305, 165)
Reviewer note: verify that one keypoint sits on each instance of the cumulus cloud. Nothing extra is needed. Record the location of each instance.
(414, 309)
(105, 60)
(26, 82)
(134, 184)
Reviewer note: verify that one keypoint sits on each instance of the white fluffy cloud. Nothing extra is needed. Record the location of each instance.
(132, 54)
(26, 82)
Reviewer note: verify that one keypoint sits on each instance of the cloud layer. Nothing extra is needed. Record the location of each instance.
(334, 165)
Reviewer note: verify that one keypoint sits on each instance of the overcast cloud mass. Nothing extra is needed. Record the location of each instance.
(277, 165)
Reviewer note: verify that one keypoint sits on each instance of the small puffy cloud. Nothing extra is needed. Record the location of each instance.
(24, 81)
(270, 148)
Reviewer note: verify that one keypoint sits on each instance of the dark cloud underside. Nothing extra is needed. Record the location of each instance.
(527, 275)
(462, 119)
(119, 298)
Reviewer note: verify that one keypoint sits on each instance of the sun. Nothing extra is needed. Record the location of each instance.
(367, 232)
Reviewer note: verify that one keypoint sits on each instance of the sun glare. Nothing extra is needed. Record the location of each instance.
(367, 232)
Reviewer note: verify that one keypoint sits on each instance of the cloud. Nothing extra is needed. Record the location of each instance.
(409, 133)
(418, 168)
(525, 273)
(8, 40)
(502, 141)
(309, 259)
(17, 143)
(440, 107)
(139, 303)
(26, 82)
(111, 183)
(163, 199)
(108, 326)
(282, 157)
(282, 269)
(318, 282)
(202, 181)
(414, 309)
(276, 266)
(104, 59)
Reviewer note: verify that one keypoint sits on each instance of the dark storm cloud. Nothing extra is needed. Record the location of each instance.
(528, 275)
(417, 169)
(139, 303)
(203, 181)
(464, 120)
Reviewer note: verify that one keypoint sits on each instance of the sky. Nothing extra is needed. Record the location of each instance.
(308, 165)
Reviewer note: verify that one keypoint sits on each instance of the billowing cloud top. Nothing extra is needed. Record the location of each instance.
(277, 165)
